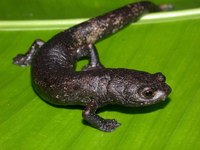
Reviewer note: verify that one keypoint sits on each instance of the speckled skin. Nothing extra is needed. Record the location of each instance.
(55, 80)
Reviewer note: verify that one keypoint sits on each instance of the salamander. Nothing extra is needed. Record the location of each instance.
(55, 78)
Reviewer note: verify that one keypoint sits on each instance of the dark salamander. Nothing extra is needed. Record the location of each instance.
(55, 79)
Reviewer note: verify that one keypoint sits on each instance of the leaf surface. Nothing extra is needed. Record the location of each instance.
(162, 42)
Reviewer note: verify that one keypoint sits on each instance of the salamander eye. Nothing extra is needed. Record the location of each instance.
(147, 93)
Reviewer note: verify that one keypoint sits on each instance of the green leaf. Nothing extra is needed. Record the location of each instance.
(165, 42)
(70, 9)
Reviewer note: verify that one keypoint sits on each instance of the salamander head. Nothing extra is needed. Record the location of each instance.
(154, 92)
(141, 89)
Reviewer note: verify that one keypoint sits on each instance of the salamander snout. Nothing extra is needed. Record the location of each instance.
(168, 89)
(155, 89)
(161, 79)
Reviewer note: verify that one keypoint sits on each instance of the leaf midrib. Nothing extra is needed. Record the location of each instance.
(24, 25)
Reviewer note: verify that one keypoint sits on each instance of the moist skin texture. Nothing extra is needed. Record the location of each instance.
(55, 79)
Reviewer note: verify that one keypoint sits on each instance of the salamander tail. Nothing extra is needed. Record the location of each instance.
(151, 7)
(165, 7)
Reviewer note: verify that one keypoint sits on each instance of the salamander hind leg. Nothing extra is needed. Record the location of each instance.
(107, 125)
(25, 59)
(94, 62)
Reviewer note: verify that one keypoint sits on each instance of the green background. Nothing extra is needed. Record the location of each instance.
(168, 45)
(64, 9)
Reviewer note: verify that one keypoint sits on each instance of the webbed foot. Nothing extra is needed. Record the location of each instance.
(21, 60)
(25, 59)
(108, 125)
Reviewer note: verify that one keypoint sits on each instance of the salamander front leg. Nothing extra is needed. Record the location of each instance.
(107, 125)
(94, 62)
(25, 59)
